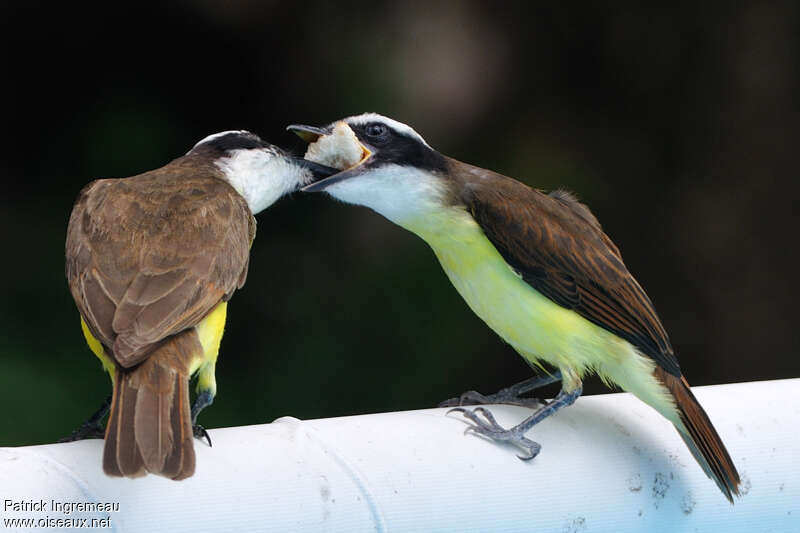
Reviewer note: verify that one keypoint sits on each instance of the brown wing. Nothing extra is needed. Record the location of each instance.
(151, 255)
(559, 248)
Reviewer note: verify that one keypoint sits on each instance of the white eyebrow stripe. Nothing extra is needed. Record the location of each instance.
(395, 125)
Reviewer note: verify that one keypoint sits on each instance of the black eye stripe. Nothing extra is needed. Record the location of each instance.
(393, 147)
(376, 129)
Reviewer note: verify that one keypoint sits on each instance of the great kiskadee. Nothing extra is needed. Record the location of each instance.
(536, 267)
(151, 262)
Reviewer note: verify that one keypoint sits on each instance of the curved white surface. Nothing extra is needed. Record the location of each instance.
(608, 463)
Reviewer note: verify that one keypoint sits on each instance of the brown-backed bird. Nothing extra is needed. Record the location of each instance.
(536, 267)
(151, 262)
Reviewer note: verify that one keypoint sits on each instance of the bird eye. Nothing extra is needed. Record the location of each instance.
(376, 130)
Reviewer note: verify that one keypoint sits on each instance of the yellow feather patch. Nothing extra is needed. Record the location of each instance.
(209, 332)
(97, 349)
(535, 326)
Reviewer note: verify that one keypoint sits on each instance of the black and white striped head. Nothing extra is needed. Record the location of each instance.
(261, 172)
(385, 164)
(227, 141)
(384, 141)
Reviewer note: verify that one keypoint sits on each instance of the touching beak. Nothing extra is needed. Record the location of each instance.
(311, 134)
(318, 171)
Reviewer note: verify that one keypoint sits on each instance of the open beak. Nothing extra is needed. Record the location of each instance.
(309, 134)
(318, 171)
(312, 134)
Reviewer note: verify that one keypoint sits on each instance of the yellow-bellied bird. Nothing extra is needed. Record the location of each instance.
(537, 268)
(151, 262)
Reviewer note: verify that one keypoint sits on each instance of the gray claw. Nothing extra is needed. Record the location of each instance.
(533, 449)
(468, 398)
(93, 428)
(85, 432)
(490, 429)
(200, 432)
(512, 395)
(489, 416)
(476, 398)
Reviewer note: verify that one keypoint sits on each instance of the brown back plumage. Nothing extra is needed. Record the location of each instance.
(559, 248)
(147, 258)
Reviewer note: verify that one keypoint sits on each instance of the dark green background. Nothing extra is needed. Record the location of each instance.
(677, 126)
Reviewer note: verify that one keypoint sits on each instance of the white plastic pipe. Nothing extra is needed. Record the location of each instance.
(608, 463)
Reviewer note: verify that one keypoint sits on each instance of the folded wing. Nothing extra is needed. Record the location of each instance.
(150, 256)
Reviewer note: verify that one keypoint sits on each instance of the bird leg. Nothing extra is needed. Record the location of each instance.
(203, 400)
(510, 395)
(489, 428)
(93, 427)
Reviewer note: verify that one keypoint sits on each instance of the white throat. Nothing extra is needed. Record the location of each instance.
(405, 195)
(262, 176)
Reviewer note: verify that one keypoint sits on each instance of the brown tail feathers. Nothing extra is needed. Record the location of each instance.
(149, 428)
(701, 437)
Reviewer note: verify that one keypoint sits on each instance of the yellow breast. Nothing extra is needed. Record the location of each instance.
(535, 326)
(538, 328)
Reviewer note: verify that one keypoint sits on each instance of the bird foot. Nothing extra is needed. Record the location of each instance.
(201, 433)
(476, 398)
(86, 431)
(489, 428)
(93, 428)
(510, 395)
(203, 400)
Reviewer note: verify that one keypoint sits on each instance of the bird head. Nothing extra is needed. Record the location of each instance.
(259, 171)
(384, 165)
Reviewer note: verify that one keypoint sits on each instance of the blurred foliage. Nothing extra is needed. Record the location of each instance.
(676, 125)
